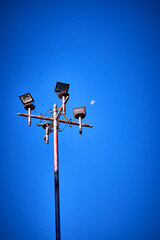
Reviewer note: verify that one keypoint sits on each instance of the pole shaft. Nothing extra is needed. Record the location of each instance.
(56, 175)
(29, 117)
(80, 125)
(64, 106)
(47, 137)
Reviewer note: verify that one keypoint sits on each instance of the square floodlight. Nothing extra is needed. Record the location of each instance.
(61, 87)
(79, 112)
(26, 98)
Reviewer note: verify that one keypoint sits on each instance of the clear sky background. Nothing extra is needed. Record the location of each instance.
(108, 51)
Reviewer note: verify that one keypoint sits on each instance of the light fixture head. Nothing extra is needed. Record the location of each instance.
(79, 112)
(26, 98)
(61, 87)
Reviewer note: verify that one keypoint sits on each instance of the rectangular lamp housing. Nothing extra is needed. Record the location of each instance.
(26, 98)
(61, 87)
(79, 112)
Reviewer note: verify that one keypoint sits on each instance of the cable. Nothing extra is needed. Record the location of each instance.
(47, 112)
(60, 130)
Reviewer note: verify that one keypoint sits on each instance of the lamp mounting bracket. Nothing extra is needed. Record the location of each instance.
(63, 94)
(29, 105)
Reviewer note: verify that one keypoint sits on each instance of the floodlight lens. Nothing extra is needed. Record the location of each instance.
(26, 98)
(61, 87)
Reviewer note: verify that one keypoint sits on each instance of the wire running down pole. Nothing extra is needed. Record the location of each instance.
(56, 174)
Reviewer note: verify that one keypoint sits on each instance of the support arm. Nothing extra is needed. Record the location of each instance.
(51, 119)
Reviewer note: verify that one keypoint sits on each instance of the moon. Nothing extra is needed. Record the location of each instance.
(93, 102)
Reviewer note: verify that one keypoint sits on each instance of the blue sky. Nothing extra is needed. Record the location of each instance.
(108, 51)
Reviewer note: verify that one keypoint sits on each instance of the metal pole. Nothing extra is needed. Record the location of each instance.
(47, 133)
(63, 104)
(56, 174)
(29, 117)
(80, 125)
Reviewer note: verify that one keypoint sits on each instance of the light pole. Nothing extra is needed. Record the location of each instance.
(56, 174)
(53, 126)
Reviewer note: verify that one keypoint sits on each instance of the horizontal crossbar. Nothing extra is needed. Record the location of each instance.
(52, 119)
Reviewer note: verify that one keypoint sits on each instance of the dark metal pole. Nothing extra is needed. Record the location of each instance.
(56, 175)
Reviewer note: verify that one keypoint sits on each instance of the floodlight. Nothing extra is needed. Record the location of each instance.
(26, 98)
(61, 87)
(79, 113)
